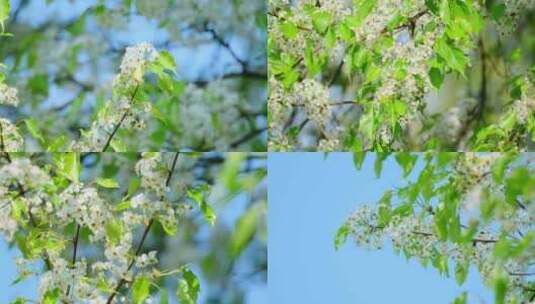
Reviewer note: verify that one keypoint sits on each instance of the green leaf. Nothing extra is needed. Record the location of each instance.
(39, 84)
(441, 226)
(436, 77)
(188, 287)
(432, 5)
(197, 194)
(499, 167)
(107, 183)
(229, 172)
(20, 300)
(363, 9)
(497, 11)
(133, 186)
(164, 297)
(460, 299)
(4, 13)
(51, 296)
(245, 229)
(169, 227)
(140, 290)
(31, 125)
(289, 29)
(358, 159)
(321, 21)
(406, 161)
(461, 272)
(385, 209)
(69, 165)
(167, 61)
(500, 289)
(122, 206)
(453, 57)
(114, 231)
(378, 164)
(341, 235)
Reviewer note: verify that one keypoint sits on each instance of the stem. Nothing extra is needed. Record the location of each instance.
(74, 252)
(108, 142)
(247, 137)
(474, 240)
(522, 273)
(75, 241)
(144, 237)
(2, 147)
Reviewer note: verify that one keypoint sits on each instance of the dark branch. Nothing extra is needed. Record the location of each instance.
(108, 142)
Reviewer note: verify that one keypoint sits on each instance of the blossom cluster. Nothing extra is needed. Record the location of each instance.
(84, 205)
(10, 139)
(310, 95)
(8, 95)
(212, 115)
(125, 110)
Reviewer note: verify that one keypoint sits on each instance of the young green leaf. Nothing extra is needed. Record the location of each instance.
(164, 297)
(4, 13)
(341, 235)
(114, 231)
(197, 194)
(32, 127)
(436, 77)
(245, 229)
(140, 290)
(107, 183)
(358, 159)
(460, 299)
(51, 296)
(69, 166)
(321, 21)
(188, 287)
(461, 272)
(406, 161)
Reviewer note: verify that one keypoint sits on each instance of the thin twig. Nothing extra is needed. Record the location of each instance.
(108, 142)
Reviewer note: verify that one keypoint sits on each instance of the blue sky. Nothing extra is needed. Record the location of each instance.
(309, 198)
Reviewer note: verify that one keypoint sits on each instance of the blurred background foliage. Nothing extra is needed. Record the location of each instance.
(230, 258)
(62, 56)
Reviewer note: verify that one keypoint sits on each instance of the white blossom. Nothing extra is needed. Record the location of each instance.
(11, 139)
(152, 173)
(86, 208)
(8, 95)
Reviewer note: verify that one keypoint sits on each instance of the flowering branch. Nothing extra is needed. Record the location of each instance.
(118, 125)
(22, 192)
(144, 236)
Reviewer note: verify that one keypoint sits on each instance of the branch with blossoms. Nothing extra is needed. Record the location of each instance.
(170, 110)
(457, 210)
(41, 204)
(390, 58)
(145, 233)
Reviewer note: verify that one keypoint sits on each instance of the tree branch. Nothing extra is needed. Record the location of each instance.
(108, 142)
(143, 238)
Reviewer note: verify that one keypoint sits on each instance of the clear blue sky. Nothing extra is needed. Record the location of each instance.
(309, 198)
